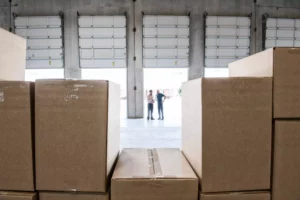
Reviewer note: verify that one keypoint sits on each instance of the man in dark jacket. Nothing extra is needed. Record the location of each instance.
(160, 101)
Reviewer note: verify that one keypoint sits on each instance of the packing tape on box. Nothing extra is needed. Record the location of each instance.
(155, 170)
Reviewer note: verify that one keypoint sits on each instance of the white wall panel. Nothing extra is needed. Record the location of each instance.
(282, 33)
(227, 39)
(166, 41)
(103, 63)
(38, 64)
(44, 40)
(102, 41)
(45, 54)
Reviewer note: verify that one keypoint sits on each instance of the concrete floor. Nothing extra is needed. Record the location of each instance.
(141, 133)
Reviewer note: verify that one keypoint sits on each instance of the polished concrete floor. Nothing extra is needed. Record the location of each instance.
(141, 133)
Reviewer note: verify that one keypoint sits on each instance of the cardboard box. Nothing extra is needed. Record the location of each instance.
(237, 196)
(227, 132)
(283, 65)
(72, 196)
(16, 133)
(17, 196)
(286, 174)
(12, 56)
(77, 134)
(156, 174)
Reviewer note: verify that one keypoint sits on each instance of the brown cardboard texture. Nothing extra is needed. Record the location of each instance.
(17, 196)
(77, 134)
(72, 196)
(286, 174)
(227, 131)
(156, 174)
(283, 65)
(237, 196)
(16, 132)
(12, 56)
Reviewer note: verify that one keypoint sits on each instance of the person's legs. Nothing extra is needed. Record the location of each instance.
(158, 110)
(151, 105)
(162, 111)
(149, 110)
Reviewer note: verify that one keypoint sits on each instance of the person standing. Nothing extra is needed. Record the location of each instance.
(150, 100)
(160, 101)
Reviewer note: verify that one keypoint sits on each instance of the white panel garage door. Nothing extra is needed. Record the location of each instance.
(166, 41)
(227, 39)
(282, 33)
(44, 41)
(102, 41)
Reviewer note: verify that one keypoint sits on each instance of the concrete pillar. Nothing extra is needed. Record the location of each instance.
(72, 69)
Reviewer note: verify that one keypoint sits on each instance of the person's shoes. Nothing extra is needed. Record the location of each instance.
(162, 118)
(152, 118)
(147, 118)
(159, 118)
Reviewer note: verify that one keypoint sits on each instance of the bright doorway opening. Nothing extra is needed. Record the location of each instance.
(34, 74)
(168, 82)
(115, 75)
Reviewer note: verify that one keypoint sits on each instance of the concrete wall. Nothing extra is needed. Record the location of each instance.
(134, 41)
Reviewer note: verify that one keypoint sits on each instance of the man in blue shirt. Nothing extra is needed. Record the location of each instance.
(160, 100)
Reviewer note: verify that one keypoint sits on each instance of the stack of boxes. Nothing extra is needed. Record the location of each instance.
(240, 134)
(16, 141)
(227, 136)
(76, 138)
(282, 64)
(74, 147)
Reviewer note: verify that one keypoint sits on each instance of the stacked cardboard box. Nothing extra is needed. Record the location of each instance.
(16, 120)
(226, 135)
(12, 56)
(16, 144)
(17, 196)
(153, 174)
(76, 138)
(283, 65)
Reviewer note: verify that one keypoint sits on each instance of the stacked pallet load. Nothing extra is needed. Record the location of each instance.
(77, 138)
(282, 64)
(16, 121)
(227, 136)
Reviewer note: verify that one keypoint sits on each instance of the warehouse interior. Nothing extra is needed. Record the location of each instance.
(134, 11)
(137, 49)
(149, 99)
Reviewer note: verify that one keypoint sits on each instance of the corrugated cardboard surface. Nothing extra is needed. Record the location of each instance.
(235, 134)
(72, 196)
(71, 135)
(12, 56)
(192, 123)
(157, 174)
(283, 64)
(257, 65)
(286, 174)
(16, 153)
(237, 196)
(286, 83)
(17, 196)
